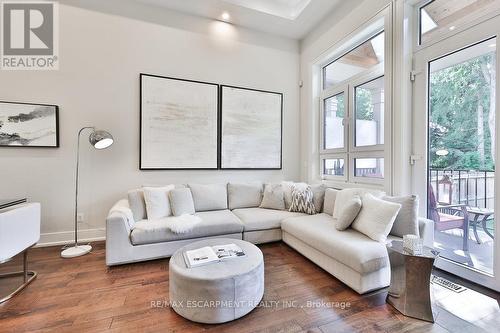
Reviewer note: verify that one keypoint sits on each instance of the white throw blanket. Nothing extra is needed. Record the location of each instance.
(182, 224)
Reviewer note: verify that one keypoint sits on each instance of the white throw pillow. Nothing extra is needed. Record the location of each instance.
(343, 196)
(157, 201)
(349, 213)
(287, 193)
(376, 217)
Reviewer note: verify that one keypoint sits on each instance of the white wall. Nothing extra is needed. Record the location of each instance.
(102, 53)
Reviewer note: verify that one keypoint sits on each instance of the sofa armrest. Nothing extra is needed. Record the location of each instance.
(121, 210)
(119, 225)
(426, 230)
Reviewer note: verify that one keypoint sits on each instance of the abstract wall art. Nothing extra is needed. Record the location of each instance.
(251, 128)
(29, 125)
(179, 124)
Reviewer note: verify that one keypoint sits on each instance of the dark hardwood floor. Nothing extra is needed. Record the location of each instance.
(83, 295)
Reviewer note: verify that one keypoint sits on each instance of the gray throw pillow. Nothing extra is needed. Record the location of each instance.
(349, 212)
(407, 219)
(181, 201)
(329, 201)
(273, 197)
(137, 204)
(209, 196)
(244, 195)
(302, 199)
(318, 196)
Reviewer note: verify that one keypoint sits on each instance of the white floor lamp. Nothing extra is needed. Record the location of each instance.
(99, 140)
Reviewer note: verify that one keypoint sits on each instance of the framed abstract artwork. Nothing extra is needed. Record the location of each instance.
(29, 125)
(179, 124)
(251, 128)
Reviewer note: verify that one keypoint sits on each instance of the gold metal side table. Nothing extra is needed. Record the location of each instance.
(409, 291)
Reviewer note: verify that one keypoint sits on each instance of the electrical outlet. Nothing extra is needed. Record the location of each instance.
(80, 217)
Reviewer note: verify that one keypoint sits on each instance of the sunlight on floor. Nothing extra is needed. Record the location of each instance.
(468, 305)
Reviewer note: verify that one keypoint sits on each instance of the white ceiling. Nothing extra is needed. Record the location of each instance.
(288, 18)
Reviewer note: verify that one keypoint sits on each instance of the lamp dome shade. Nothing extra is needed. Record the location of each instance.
(101, 139)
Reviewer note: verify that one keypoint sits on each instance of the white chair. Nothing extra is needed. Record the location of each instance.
(19, 230)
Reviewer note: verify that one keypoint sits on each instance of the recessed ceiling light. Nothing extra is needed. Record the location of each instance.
(225, 16)
(452, 28)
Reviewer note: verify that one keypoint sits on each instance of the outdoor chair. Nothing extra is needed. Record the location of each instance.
(448, 217)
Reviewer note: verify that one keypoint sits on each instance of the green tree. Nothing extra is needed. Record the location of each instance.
(460, 119)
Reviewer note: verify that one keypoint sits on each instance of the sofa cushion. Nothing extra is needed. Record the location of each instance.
(209, 196)
(346, 194)
(213, 223)
(244, 195)
(329, 202)
(407, 219)
(349, 247)
(262, 219)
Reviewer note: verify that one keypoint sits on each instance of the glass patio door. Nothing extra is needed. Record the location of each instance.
(455, 146)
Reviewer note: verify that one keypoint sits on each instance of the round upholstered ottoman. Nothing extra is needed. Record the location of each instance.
(217, 292)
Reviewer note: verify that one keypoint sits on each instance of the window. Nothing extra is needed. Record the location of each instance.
(369, 167)
(353, 114)
(369, 106)
(360, 59)
(333, 122)
(333, 167)
(439, 17)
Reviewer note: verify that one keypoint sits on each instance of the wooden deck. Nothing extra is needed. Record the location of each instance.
(83, 295)
(479, 256)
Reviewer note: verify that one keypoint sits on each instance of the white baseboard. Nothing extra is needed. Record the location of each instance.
(68, 237)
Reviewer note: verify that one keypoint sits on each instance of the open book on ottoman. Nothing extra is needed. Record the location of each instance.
(209, 254)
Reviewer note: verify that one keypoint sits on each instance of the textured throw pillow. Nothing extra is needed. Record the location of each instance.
(329, 202)
(273, 197)
(181, 201)
(157, 202)
(376, 217)
(407, 219)
(287, 193)
(347, 194)
(348, 213)
(209, 196)
(137, 204)
(302, 199)
(244, 195)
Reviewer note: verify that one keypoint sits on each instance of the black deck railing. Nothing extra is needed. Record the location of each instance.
(475, 188)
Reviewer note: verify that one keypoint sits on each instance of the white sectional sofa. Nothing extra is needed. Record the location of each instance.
(349, 255)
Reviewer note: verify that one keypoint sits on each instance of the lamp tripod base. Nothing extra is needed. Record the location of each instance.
(76, 251)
